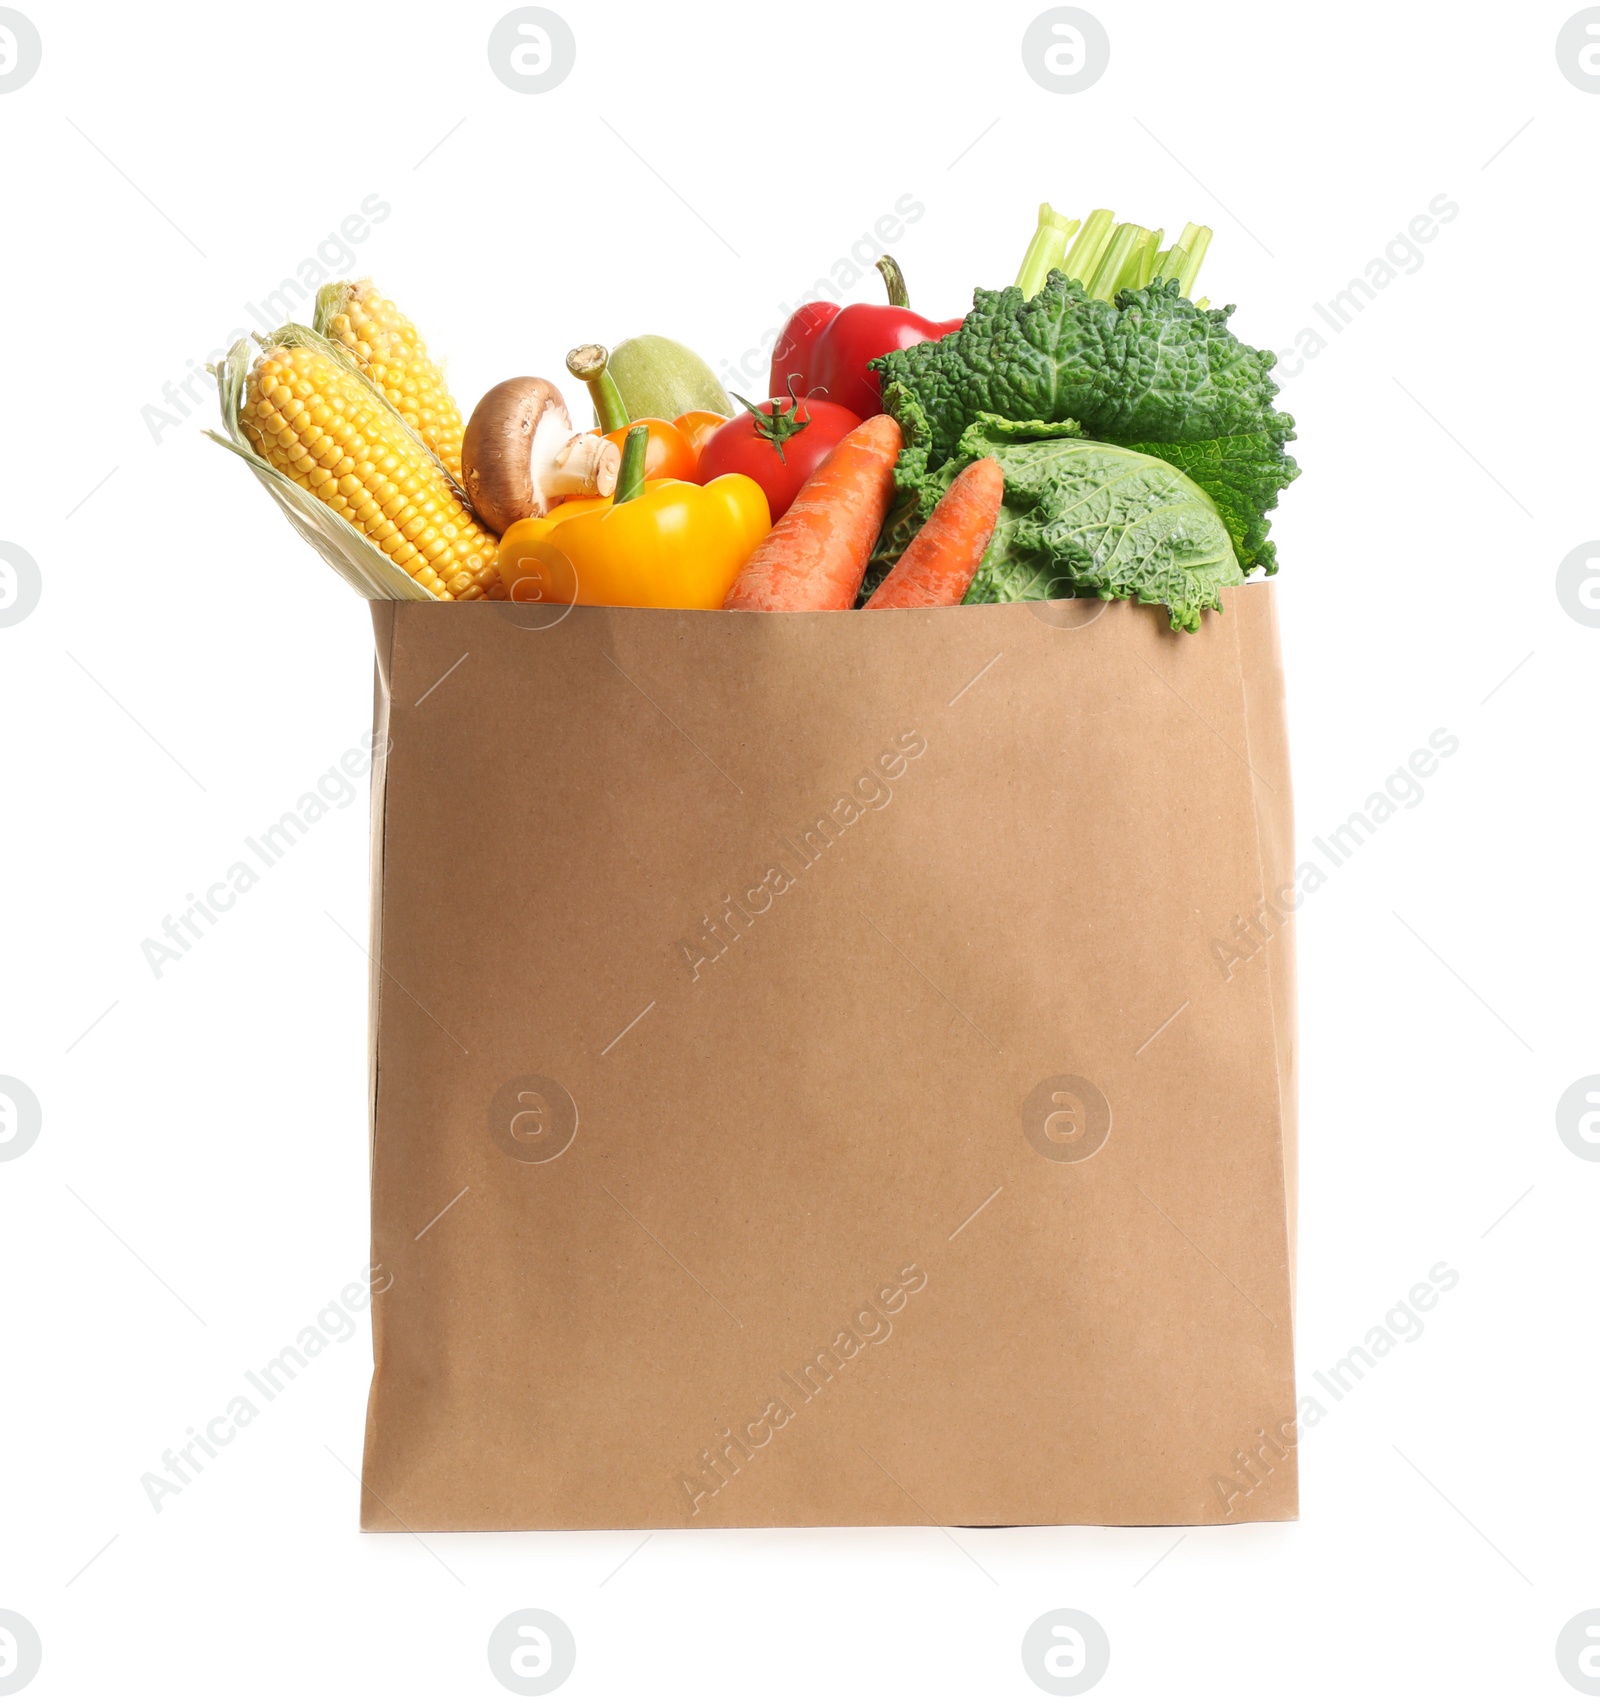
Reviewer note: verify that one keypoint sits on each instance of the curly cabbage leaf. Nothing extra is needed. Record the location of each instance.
(1082, 519)
(1149, 372)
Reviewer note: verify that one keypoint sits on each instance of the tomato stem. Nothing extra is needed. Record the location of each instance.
(781, 424)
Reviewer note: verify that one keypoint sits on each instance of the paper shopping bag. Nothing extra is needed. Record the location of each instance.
(831, 1069)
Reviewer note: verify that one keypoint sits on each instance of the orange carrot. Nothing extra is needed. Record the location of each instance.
(816, 555)
(938, 565)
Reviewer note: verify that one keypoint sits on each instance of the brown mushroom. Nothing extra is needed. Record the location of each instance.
(520, 456)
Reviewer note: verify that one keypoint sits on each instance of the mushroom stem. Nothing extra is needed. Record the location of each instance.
(589, 363)
(520, 456)
(585, 466)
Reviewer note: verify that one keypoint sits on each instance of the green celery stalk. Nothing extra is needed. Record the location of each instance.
(1047, 250)
(1172, 263)
(1084, 255)
(1110, 263)
(1147, 258)
(1110, 275)
(1196, 239)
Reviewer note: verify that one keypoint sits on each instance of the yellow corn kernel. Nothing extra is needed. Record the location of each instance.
(346, 448)
(389, 351)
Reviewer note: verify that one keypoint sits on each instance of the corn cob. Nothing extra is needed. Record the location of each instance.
(389, 351)
(319, 422)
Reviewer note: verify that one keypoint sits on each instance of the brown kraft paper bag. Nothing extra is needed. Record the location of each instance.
(817, 1076)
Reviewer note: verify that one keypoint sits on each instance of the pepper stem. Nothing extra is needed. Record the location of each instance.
(630, 476)
(589, 363)
(899, 297)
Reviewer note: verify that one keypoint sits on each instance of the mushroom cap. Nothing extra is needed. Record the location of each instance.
(497, 449)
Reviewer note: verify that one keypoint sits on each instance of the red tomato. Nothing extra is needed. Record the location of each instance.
(667, 456)
(779, 444)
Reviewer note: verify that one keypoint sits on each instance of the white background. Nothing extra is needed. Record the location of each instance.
(192, 669)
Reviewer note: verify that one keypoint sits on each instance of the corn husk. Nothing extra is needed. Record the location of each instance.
(344, 547)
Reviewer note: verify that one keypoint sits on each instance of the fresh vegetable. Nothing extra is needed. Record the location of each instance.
(1047, 251)
(520, 456)
(837, 356)
(663, 379)
(779, 444)
(635, 459)
(591, 362)
(1084, 519)
(938, 565)
(388, 350)
(1108, 257)
(814, 558)
(1092, 431)
(697, 426)
(660, 544)
(1151, 373)
(311, 414)
(668, 454)
(1182, 260)
(791, 354)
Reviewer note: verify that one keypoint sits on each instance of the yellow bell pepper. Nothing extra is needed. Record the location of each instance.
(673, 546)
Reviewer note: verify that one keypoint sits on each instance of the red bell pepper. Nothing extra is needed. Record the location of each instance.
(825, 349)
(791, 354)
